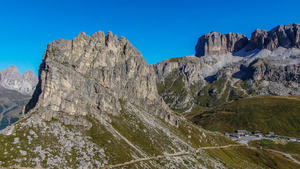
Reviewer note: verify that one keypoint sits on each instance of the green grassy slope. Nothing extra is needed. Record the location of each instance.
(265, 113)
(252, 158)
(292, 148)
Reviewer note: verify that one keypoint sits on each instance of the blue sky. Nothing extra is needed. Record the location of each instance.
(159, 29)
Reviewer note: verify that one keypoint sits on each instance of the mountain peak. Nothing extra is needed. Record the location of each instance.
(13, 69)
(92, 74)
(28, 72)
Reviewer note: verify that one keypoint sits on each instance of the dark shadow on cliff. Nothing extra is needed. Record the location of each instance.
(38, 90)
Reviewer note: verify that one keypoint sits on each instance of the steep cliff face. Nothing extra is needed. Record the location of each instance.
(10, 78)
(111, 70)
(215, 43)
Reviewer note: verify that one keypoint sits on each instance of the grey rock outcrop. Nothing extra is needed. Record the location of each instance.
(11, 79)
(90, 75)
(263, 69)
(215, 43)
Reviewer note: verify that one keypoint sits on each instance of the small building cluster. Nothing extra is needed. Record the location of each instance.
(245, 133)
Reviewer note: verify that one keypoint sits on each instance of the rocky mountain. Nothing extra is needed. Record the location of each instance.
(112, 70)
(231, 66)
(10, 78)
(96, 106)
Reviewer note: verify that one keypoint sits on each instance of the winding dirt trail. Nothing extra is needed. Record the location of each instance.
(171, 155)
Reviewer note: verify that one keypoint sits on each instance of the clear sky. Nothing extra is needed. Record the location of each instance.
(160, 29)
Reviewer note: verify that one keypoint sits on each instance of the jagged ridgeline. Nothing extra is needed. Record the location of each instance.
(96, 106)
(230, 66)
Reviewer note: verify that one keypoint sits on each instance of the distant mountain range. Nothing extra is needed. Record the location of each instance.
(10, 78)
(15, 92)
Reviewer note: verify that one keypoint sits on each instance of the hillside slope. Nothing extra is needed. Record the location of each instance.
(265, 113)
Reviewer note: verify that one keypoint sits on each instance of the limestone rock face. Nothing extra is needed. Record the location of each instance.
(91, 75)
(11, 79)
(215, 43)
(258, 39)
(236, 41)
(263, 69)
